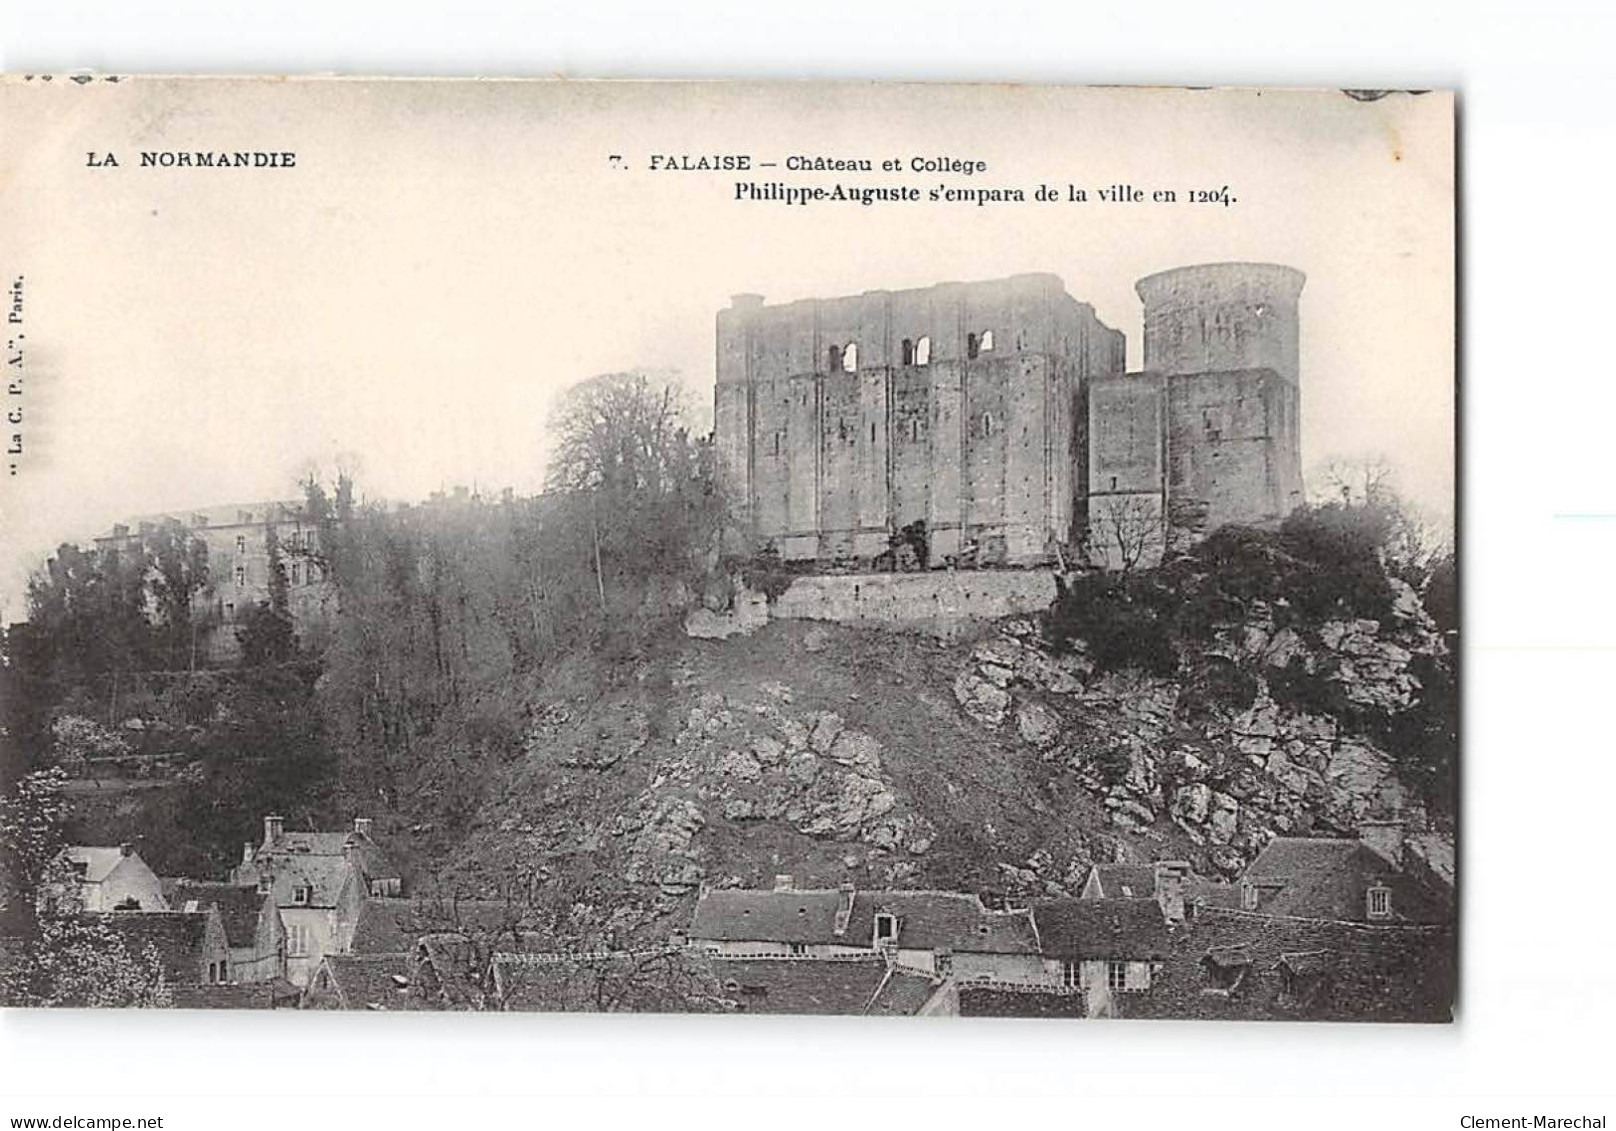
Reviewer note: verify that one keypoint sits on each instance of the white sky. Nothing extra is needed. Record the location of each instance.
(445, 257)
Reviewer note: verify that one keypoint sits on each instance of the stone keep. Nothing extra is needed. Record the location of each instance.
(998, 414)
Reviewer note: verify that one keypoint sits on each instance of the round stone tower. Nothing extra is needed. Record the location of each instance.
(1217, 317)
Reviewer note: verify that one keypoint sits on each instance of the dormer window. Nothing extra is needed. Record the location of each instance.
(1248, 896)
(264, 884)
(302, 893)
(886, 928)
(1380, 902)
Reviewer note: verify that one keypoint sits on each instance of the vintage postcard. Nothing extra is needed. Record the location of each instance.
(728, 547)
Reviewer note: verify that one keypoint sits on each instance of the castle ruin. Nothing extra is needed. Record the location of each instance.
(993, 423)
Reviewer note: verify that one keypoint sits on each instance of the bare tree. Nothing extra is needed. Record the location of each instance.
(1125, 531)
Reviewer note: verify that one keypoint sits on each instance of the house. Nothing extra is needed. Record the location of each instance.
(866, 985)
(930, 932)
(1242, 965)
(1138, 881)
(190, 946)
(394, 926)
(276, 993)
(319, 881)
(1359, 880)
(114, 879)
(252, 923)
(365, 981)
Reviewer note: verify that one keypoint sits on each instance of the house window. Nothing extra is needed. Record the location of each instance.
(229, 611)
(297, 573)
(971, 345)
(1380, 902)
(850, 357)
(908, 352)
(297, 939)
(923, 352)
(886, 928)
(301, 893)
(798, 950)
(1116, 976)
(265, 883)
(1248, 896)
(1071, 974)
(833, 359)
(987, 341)
(914, 429)
(241, 543)
(987, 424)
(241, 575)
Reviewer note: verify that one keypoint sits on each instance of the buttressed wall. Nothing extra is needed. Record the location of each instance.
(841, 421)
(999, 414)
(1210, 433)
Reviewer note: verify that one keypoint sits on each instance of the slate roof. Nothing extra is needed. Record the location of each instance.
(668, 981)
(177, 936)
(1358, 971)
(325, 875)
(98, 861)
(239, 906)
(1328, 878)
(926, 920)
(371, 981)
(276, 994)
(1125, 881)
(1076, 929)
(1138, 881)
(388, 926)
(863, 985)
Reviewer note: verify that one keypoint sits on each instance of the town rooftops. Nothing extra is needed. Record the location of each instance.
(1329, 878)
(95, 863)
(368, 981)
(277, 993)
(239, 905)
(314, 881)
(219, 514)
(177, 937)
(1079, 929)
(387, 926)
(926, 920)
(865, 985)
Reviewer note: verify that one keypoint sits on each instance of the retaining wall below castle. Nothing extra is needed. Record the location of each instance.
(934, 601)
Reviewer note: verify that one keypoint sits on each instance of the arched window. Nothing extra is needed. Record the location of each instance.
(850, 357)
(923, 351)
(833, 359)
(908, 352)
(987, 340)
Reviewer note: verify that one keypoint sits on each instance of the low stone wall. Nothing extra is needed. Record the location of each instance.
(937, 602)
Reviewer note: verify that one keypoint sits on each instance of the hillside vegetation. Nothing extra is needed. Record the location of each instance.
(507, 690)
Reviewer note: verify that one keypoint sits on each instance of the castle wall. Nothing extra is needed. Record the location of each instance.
(1222, 316)
(939, 601)
(1230, 441)
(958, 410)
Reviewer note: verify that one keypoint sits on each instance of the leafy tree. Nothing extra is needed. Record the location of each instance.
(179, 573)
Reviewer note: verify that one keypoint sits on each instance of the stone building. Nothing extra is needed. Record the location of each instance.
(239, 565)
(996, 420)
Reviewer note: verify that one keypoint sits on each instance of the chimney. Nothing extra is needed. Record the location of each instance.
(782, 882)
(844, 913)
(1172, 877)
(361, 826)
(126, 849)
(1384, 838)
(273, 828)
